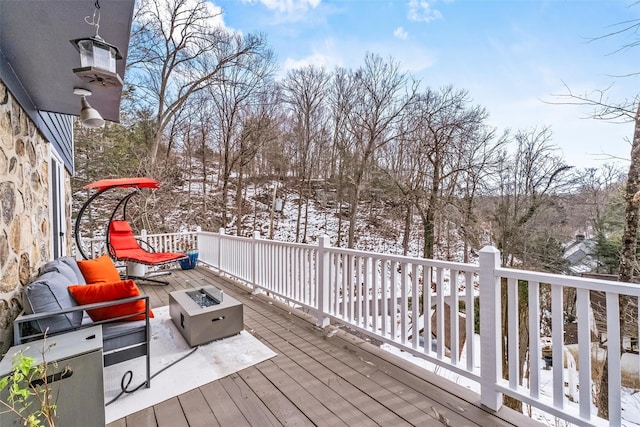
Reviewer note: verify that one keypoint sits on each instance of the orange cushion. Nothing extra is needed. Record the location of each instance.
(99, 270)
(103, 292)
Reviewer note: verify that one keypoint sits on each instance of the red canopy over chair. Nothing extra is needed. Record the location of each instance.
(137, 182)
(121, 242)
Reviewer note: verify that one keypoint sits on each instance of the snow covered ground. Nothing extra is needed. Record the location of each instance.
(630, 398)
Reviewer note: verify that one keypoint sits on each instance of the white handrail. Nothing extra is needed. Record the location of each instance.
(419, 305)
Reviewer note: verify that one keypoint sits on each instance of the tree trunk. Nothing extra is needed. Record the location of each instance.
(306, 213)
(429, 231)
(407, 230)
(225, 193)
(632, 202)
(301, 195)
(353, 215)
(239, 202)
(340, 197)
(627, 254)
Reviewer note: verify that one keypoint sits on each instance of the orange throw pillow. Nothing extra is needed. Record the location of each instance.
(103, 292)
(99, 270)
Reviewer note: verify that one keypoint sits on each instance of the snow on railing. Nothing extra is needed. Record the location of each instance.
(376, 294)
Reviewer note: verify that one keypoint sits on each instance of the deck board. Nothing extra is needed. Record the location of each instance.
(281, 408)
(315, 379)
(306, 402)
(196, 409)
(225, 410)
(247, 400)
(170, 414)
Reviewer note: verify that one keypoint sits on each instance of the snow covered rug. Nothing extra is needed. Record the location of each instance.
(208, 363)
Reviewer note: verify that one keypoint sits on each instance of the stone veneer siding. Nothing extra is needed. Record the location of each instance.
(25, 227)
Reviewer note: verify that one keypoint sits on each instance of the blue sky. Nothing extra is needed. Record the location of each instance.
(511, 55)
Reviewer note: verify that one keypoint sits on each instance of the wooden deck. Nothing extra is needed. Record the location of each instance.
(319, 377)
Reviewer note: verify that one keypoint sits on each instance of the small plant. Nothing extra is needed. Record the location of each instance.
(29, 395)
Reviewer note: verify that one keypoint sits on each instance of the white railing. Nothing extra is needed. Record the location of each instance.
(165, 242)
(578, 408)
(376, 294)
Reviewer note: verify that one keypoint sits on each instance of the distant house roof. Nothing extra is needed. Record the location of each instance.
(580, 255)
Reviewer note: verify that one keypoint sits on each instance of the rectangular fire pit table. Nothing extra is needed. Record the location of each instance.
(205, 314)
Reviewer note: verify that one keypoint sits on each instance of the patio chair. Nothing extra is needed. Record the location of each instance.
(123, 246)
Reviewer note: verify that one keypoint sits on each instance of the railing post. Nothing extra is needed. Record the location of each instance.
(198, 231)
(254, 263)
(221, 233)
(490, 330)
(323, 281)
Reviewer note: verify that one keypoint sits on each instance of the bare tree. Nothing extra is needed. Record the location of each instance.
(444, 125)
(403, 167)
(238, 91)
(177, 49)
(528, 181)
(305, 91)
(621, 110)
(480, 160)
(260, 126)
(597, 187)
(343, 84)
(380, 96)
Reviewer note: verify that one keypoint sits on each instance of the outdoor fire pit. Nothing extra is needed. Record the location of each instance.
(206, 297)
(205, 314)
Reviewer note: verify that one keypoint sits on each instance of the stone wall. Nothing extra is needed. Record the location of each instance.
(24, 208)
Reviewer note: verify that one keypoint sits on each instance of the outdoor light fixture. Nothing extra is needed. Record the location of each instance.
(97, 57)
(89, 116)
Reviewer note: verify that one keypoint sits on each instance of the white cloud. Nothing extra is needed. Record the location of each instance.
(318, 59)
(322, 56)
(287, 6)
(423, 11)
(401, 33)
(413, 58)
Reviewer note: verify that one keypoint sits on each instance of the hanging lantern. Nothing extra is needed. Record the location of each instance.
(97, 57)
(97, 62)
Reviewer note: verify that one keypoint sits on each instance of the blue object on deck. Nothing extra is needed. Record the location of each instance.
(189, 263)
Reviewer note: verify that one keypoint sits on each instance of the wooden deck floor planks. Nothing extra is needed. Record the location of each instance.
(170, 414)
(196, 409)
(281, 409)
(349, 381)
(315, 379)
(225, 410)
(311, 363)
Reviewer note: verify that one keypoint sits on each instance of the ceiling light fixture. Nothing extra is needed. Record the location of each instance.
(89, 116)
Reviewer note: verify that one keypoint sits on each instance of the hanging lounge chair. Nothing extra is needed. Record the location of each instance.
(122, 244)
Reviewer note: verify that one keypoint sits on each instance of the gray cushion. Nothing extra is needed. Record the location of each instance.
(49, 293)
(68, 267)
(122, 334)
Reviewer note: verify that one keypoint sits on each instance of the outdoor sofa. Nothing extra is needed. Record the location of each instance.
(68, 296)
